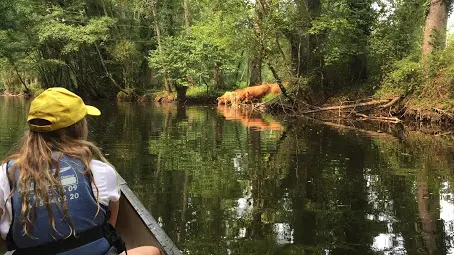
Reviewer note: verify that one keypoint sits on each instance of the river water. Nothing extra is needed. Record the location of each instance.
(220, 181)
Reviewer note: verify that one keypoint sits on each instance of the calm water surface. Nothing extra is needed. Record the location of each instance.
(225, 182)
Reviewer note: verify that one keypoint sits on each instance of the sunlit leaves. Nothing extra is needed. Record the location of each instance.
(73, 36)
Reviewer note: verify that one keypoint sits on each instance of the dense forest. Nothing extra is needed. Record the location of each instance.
(323, 48)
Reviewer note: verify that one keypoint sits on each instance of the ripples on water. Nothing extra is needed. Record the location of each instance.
(222, 181)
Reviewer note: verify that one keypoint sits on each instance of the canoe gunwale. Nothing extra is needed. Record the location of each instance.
(167, 244)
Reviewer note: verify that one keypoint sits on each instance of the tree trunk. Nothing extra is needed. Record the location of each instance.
(219, 82)
(256, 62)
(122, 10)
(358, 67)
(256, 70)
(313, 59)
(187, 24)
(435, 28)
(187, 13)
(363, 22)
(260, 11)
(157, 27)
(303, 48)
(295, 51)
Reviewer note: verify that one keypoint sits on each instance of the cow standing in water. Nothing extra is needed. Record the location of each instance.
(228, 98)
(249, 94)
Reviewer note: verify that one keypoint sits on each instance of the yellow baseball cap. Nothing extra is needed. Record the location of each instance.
(60, 107)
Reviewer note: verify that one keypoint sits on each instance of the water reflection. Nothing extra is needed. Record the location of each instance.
(248, 118)
(447, 214)
(222, 181)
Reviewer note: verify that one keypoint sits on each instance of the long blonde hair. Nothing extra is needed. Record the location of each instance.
(33, 159)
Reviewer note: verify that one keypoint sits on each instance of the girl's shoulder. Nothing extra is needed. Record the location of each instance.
(99, 166)
(103, 172)
(106, 180)
(3, 170)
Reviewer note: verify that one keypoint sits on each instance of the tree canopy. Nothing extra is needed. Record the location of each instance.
(101, 47)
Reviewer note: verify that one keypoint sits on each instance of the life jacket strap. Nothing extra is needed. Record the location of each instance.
(67, 244)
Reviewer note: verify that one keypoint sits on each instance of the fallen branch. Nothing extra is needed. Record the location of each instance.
(444, 134)
(361, 115)
(445, 113)
(340, 107)
(393, 102)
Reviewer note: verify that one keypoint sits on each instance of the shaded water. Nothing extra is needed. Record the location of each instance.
(225, 182)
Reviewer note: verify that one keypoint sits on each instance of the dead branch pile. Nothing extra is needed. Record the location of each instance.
(371, 110)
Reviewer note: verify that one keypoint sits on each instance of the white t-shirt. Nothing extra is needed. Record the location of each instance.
(105, 178)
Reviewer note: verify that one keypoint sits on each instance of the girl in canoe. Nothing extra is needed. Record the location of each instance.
(55, 198)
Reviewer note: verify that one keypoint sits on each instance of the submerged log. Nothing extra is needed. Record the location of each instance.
(365, 131)
(393, 120)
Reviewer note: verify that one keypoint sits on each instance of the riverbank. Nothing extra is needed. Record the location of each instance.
(437, 116)
(191, 95)
(410, 111)
(8, 94)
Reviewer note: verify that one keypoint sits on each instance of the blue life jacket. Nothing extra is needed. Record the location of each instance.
(82, 210)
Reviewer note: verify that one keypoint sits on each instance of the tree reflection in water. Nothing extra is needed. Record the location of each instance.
(223, 181)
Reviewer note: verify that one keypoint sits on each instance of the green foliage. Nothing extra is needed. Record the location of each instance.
(92, 47)
(36, 91)
(445, 58)
(347, 25)
(336, 49)
(441, 73)
(8, 83)
(74, 36)
(128, 95)
(268, 98)
(124, 50)
(100, 47)
(395, 47)
(404, 77)
(175, 60)
(217, 40)
(197, 91)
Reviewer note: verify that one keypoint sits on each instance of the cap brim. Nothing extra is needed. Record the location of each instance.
(91, 110)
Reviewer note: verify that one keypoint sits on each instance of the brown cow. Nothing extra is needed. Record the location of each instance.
(220, 100)
(249, 94)
(228, 97)
(275, 89)
(257, 92)
(242, 96)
